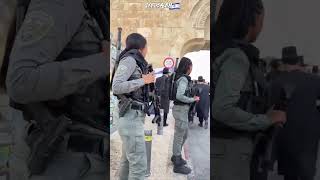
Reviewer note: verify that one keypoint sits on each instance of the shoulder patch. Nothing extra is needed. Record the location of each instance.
(36, 25)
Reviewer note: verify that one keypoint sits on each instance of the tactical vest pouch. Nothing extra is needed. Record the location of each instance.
(90, 107)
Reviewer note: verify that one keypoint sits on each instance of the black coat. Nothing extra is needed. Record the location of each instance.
(203, 105)
(273, 75)
(298, 140)
(162, 89)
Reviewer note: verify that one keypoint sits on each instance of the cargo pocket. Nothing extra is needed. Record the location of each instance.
(139, 121)
(129, 143)
(140, 146)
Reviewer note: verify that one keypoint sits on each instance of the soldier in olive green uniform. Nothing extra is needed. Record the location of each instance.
(58, 61)
(129, 82)
(238, 108)
(182, 101)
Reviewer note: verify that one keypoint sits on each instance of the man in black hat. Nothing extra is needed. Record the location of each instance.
(203, 105)
(162, 90)
(275, 69)
(297, 141)
(315, 70)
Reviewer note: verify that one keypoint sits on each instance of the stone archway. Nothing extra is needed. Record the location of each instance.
(207, 29)
(198, 36)
(196, 44)
(169, 33)
(200, 13)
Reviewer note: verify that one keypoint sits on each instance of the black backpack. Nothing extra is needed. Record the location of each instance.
(163, 86)
(172, 84)
(172, 80)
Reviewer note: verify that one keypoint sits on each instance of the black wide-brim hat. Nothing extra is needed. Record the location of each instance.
(200, 79)
(165, 70)
(290, 56)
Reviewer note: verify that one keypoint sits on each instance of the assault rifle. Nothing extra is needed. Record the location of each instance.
(267, 141)
(153, 98)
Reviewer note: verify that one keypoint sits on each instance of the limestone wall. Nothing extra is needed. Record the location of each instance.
(167, 31)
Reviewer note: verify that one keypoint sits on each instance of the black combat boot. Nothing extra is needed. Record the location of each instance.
(200, 124)
(177, 160)
(183, 169)
(165, 123)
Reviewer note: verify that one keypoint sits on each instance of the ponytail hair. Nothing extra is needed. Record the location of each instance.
(235, 18)
(184, 65)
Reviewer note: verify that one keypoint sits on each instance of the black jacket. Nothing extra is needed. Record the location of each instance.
(162, 89)
(204, 104)
(298, 140)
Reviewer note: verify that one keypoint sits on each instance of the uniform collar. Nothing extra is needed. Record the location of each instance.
(250, 50)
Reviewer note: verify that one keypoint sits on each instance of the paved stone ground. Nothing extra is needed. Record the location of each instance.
(161, 166)
(199, 151)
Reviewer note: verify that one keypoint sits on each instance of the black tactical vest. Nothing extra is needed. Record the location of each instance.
(187, 93)
(253, 100)
(140, 94)
(89, 105)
